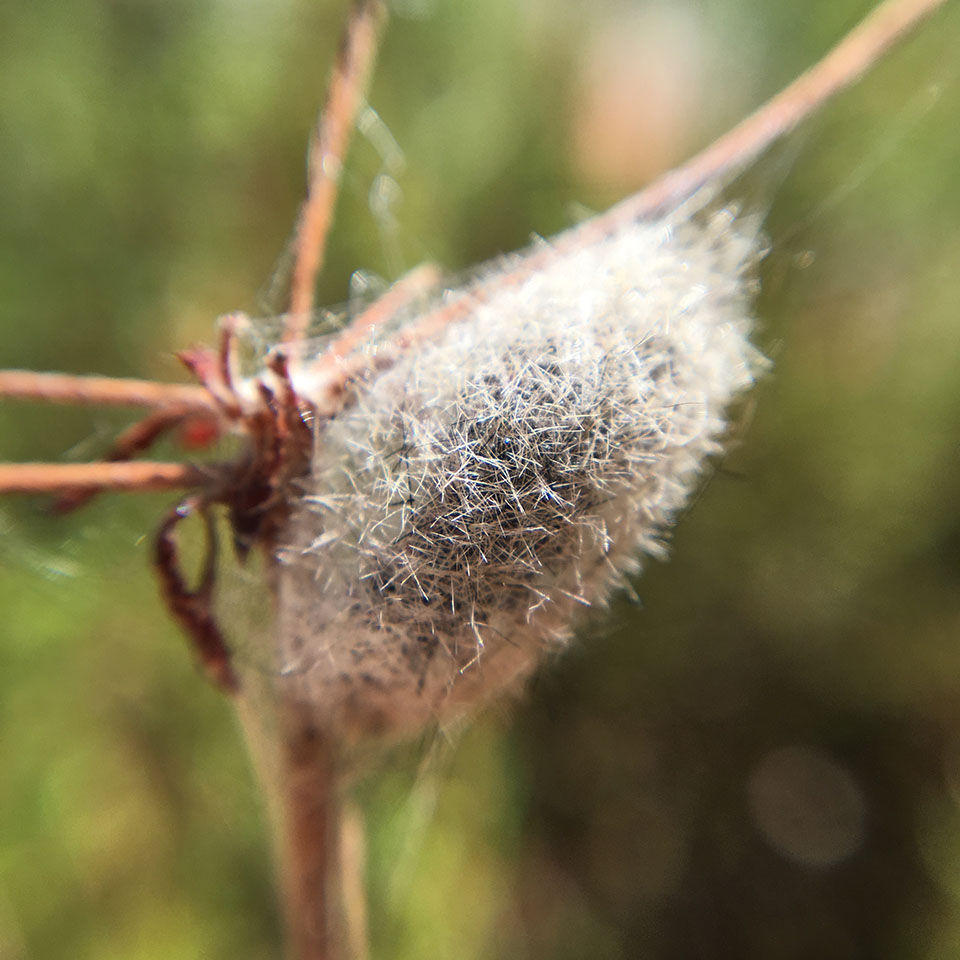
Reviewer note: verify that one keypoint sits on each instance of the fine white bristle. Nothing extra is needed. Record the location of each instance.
(471, 500)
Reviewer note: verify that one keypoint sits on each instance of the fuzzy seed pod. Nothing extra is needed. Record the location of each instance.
(473, 499)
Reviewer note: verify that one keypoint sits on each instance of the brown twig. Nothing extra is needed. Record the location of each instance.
(352, 872)
(308, 834)
(839, 69)
(138, 476)
(135, 439)
(329, 146)
(102, 391)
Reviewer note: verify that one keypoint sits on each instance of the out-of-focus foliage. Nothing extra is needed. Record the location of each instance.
(762, 760)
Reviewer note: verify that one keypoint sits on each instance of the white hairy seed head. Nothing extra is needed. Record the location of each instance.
(473, 499)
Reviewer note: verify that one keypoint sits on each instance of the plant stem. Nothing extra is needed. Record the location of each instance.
(102, 391)
(327, 151)
(138, 476)
(308, 839)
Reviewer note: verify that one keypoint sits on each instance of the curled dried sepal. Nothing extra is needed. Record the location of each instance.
(193, 609)
(473, 498)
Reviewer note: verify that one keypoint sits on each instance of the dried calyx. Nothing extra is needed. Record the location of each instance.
(467, 504)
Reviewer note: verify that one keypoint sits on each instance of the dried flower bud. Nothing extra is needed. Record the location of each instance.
(473, 499)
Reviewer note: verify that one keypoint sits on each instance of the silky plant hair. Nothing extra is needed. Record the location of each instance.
(470, 502)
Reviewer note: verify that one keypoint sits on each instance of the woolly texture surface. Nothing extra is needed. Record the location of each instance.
(474, 498)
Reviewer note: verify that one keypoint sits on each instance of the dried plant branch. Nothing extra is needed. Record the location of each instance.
(309, 830)
(347, 83)
(839, 69)
(353, 857)
(102, 391)
(135, 439)
(137, 477)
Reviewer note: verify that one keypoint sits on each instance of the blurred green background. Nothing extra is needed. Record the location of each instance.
(762, 760)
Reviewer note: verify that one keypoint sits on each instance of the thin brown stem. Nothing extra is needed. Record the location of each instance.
(329, 146)
(860, 49)
(308, 839)
(101, 391)
(353, 863)
(137, 477)
(135, 439)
